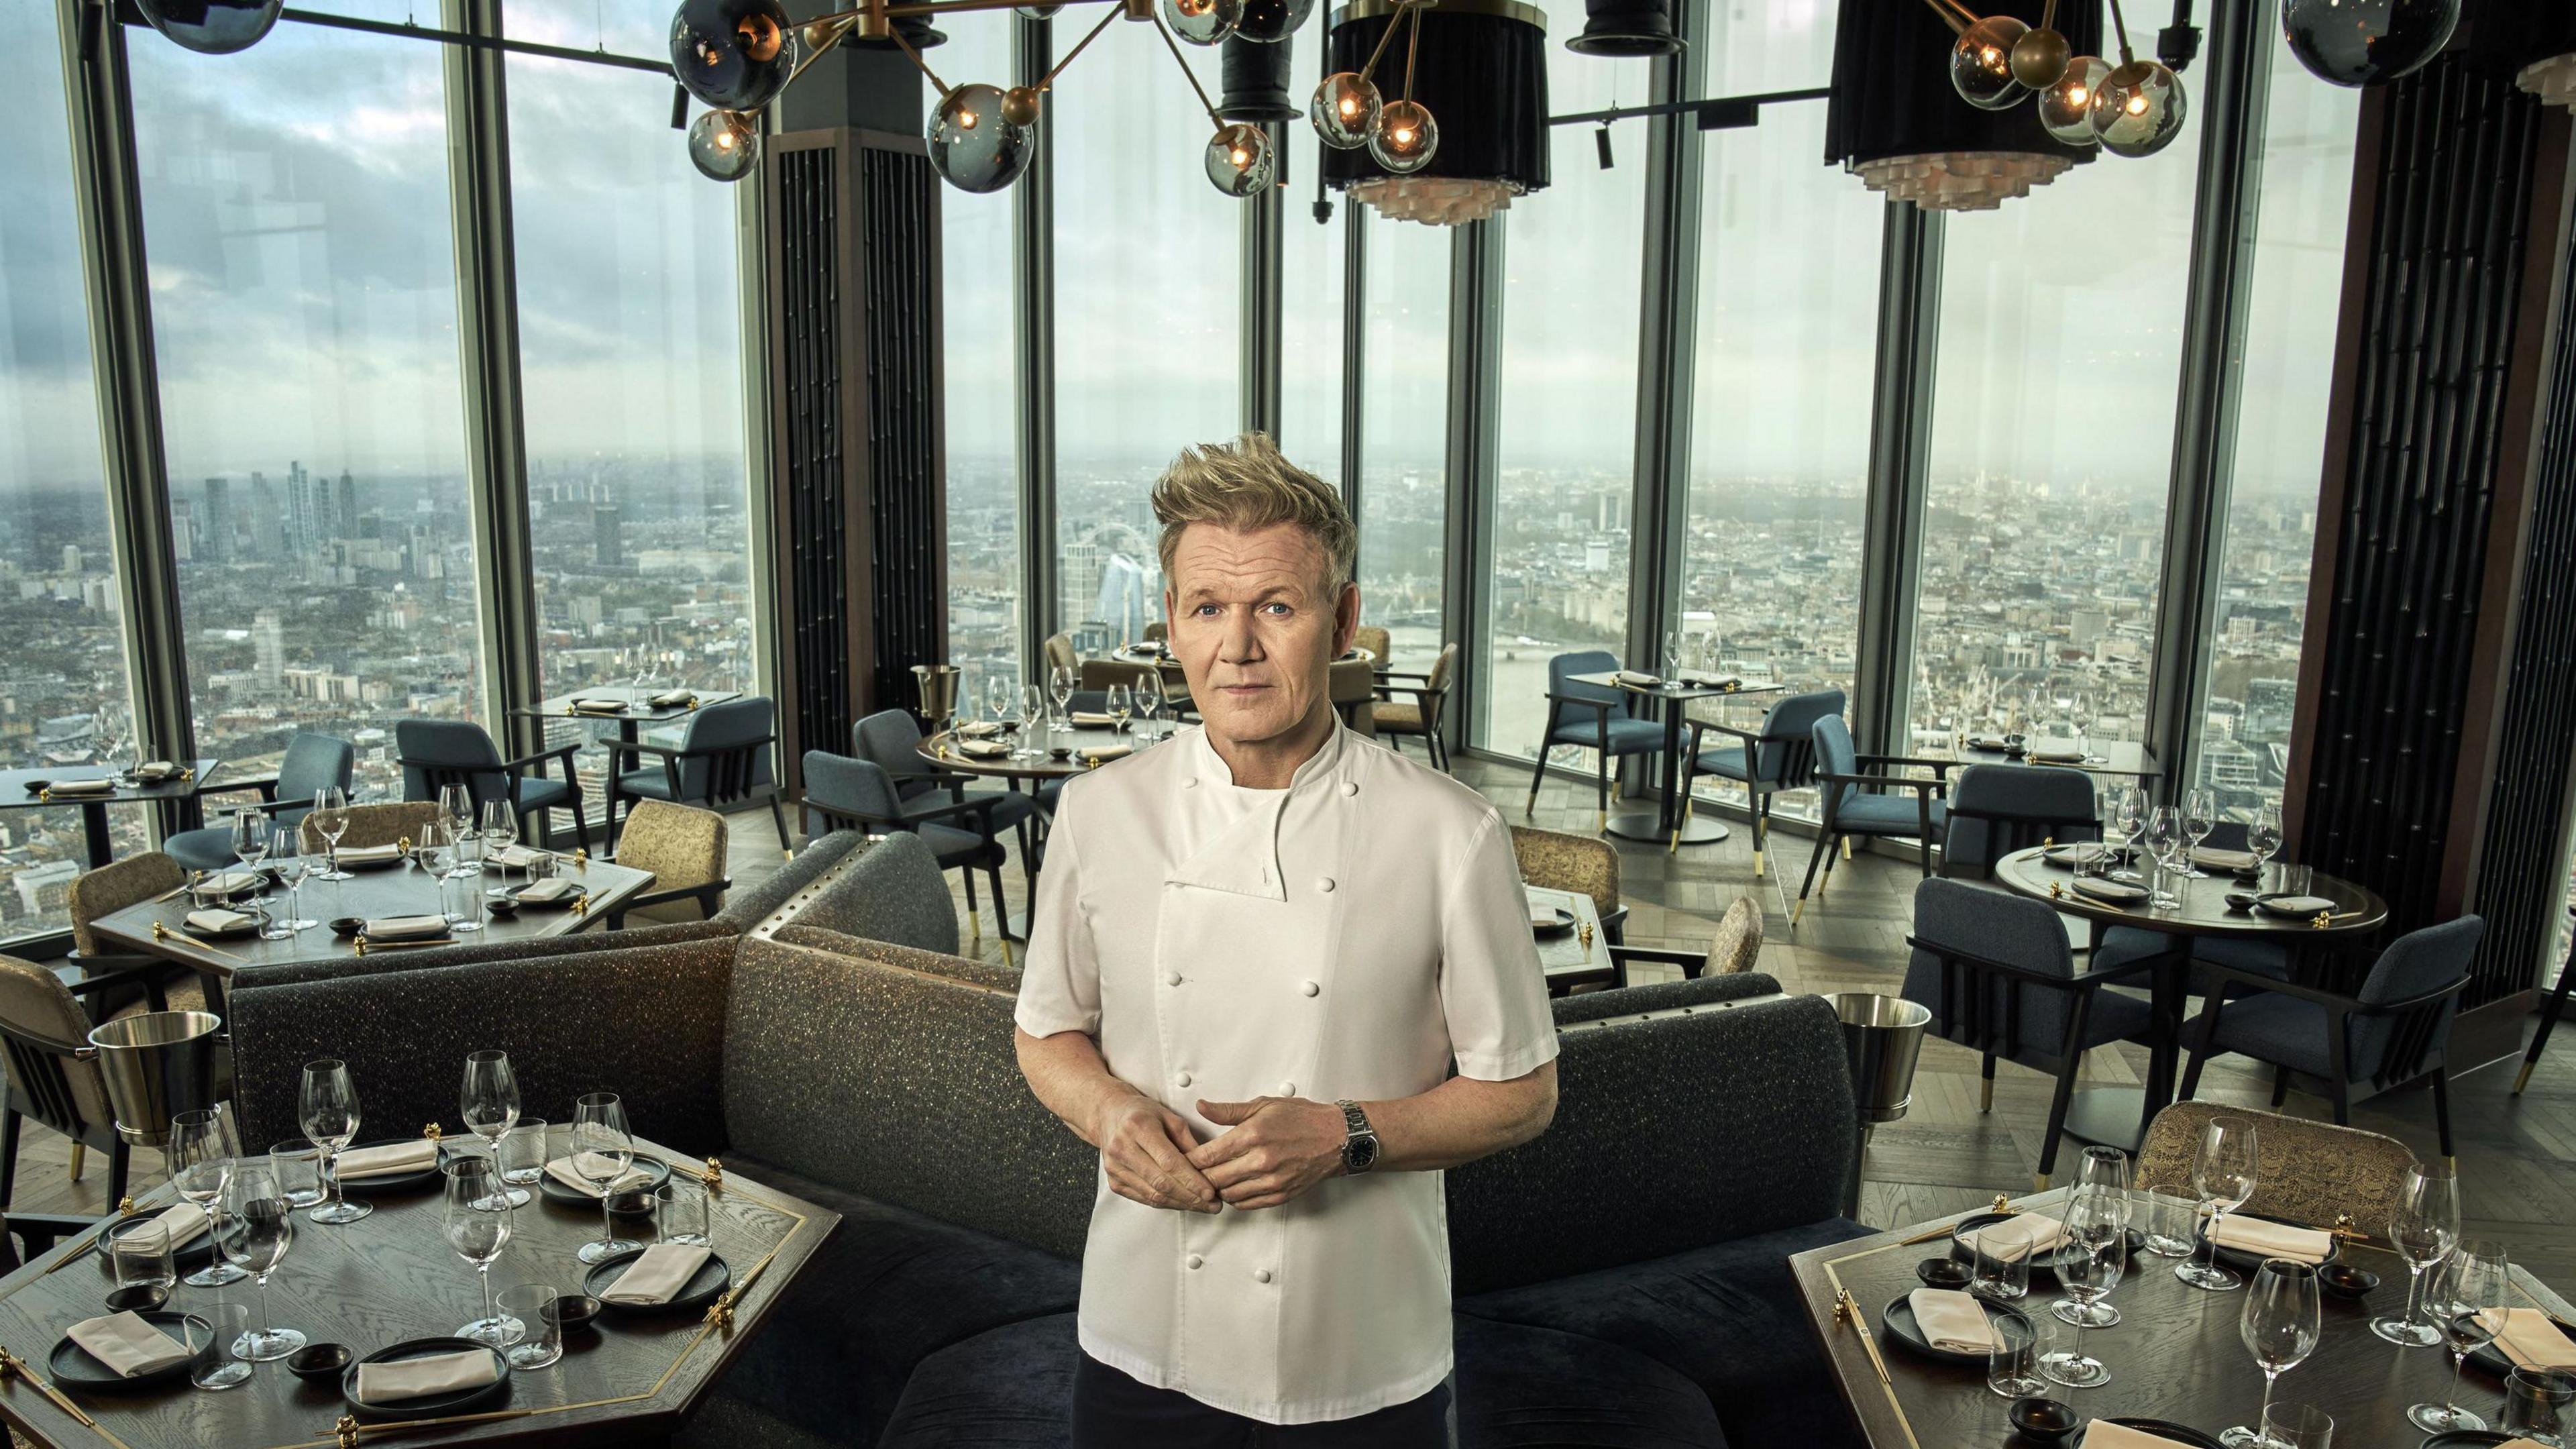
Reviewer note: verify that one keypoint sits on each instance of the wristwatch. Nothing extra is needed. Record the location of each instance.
(1359, 1150)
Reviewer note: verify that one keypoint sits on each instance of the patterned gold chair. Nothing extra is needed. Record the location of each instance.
(2305, 1171)
(1157, 631)
(1554, 860)
(1735, 949)
(1422, 716)
(141, 982)
(1373, 639)
(385, 822)
(684, 847)
(43, 1023)
(1060, 654)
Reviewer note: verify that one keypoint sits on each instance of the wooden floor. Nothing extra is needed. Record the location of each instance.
(2517, 1155)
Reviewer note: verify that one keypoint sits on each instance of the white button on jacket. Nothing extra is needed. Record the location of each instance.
(1429, 960)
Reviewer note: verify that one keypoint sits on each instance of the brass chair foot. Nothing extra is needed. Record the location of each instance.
(1846, 847)
(1757, 865)
(1986, 1094)
(2451, 1160)
(1800, 910)
(1530, 810)
(974, 926)
(1600, 822)
(2039, 1182)
(80, 1159)
(1006, 951)
(2522, 1078)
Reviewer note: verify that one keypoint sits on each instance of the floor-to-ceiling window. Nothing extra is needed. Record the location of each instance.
(63, 697)
(1148, 320)
(1310, 312)
(2280, 439)
(2052, 437)
(978, 348)
(303, 282)
(1788, 293)
(1567, 402)
(1404, 503)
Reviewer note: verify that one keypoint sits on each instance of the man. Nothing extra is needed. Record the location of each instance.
(1257, 954)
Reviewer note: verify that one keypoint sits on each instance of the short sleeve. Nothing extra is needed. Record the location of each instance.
(1060, 983)
(1492, 988)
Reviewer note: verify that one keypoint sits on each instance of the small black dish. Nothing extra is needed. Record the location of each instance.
(1563, 923)
(2245, 1262)
(347, 925)
(400, 1182)
(553, 1190)
(1898, 1318)
(137, 1298)
(428, 1406)
(2468, 1439)
(1060, 752)
(2487, 1358)
(2167, 1429)
(74, 1367)
(2045, 1420)
(317, 1362)
(713, 1277)
(1943, 1273)
(501, 903)
(572, 1311)
(2343, 1280)
(2243, 901)
(39, 787)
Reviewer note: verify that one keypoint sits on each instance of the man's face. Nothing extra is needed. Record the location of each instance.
(1254, 627)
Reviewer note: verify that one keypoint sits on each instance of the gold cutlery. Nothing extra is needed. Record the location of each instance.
(1849, 1312)
(11, 1364)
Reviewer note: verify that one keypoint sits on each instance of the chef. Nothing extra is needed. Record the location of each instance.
(1280, 977)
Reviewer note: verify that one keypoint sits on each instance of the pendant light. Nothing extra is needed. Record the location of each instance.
(1914, 131)
(2373, 42)
(1453, 133)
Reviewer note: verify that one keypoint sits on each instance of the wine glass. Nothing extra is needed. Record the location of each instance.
(1120, 706)
(2104, 1174)
(1148, 692)
(2129, 813)
(2088, 1268)
(1060, 689)
(202, 1149)
(288, 863)
(2263, 836)
(2079, 714)
(1003, 694)
(2164, 844)
(2199, 817)
(489, 1103)
(2465, 1298)
(250, 846)
(1672, 656)
(477, 1225)
(500, 832)
(1033, 716)
(456, 806)
(330, 817)
(600, 1145)
(327, 1109)
(2222, 1172)
(2280, 1325)
(2423, 1228)
(256, 1229)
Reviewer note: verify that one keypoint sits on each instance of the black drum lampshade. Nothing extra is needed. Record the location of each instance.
(1897, 122)
(1256, 81)
(2535, 45)
(1620, 28)
(213, 27)
(1481, 74)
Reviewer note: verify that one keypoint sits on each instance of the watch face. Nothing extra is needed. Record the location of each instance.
(1362, 1152)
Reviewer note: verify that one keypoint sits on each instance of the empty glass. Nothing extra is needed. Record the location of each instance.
(255, 1229)
(523, 1152)
(1033, 715)
(2012, 1368)
(299, 1171)
(2263, 837)
(460, 895)
(601, 1153)
(138, 1248)
(1060, 689)
(532, 1307)
(489, 1104)
(2540, 1405)
(1148, 690)
(500, 831)
(456, 805)
(327, 1109)
(2129, 812)
(2280, 1325)
(2297, 1426)
(286, 857)
(2104, 1191)
(1120, 707)
(2199, 817)
(2422, 1228)
(201, 1154)
(216, 1333)
(2464, 1299)
(2222, 1172)
(330, 817)
(680, 1212)
(2000, 1277)
(2165, 1219)
(2096, 1255)
(477, 1223)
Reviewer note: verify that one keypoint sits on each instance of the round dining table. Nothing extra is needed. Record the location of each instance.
(2117, 1116)
(946, 750)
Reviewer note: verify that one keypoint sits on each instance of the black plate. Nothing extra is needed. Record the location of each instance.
(713, 1278)
(2043, 1264)
(406, 1182)
(2165, 1429)
(1564, 923)
(556, 1192)
(2468, 1439)
(429, 1405)
(74, 1367)
(560, 903)
(2245, 1262)
(238, 933)
(2491, 1358)
(39, 787)
(2110, 892)
(1898, 1317)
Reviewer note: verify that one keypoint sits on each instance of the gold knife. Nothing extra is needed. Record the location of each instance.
(10, 1363)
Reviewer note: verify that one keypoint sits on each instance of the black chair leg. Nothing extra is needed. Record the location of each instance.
(1761, 830)
(1538, 771)
(778, 818)
(2280, 1085)
(9, 1121)
(974, 922)
(2340, 1092)
(581, 827)
(2207, 1024)
(2442, 1113)
(119, 1158)
(1601, 781)
(1986, 1083)
(1824, 848)
(1001, 904)
(2057, 1105)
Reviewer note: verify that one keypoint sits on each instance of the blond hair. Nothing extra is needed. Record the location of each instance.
(1246, 485)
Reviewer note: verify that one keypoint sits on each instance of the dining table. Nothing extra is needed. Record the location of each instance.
(390, 1278)
(635, 706)
(2112, 1116)
(2114, 759)
(2176, 1355)
(1667, 821)
(32, 789)
(1575, 952)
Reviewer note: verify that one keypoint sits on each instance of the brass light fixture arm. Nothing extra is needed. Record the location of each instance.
(1957, 25)
(1402, 9)
(1182, 61)
(1412, 48)
(2127, 56)
(922, 65)
(1048, 83)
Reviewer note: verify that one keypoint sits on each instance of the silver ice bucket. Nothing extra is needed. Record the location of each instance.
(938, 691)
(156, 1065)
(1882, 1035)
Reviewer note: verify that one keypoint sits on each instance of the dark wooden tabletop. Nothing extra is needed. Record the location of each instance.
(638, 709)
(1676, 689)
(2175, 1355)
(396, 890)
(2204, 910)
(391, 1277)
(941, 750)
(18, 788)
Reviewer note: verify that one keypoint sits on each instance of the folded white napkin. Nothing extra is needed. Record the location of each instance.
(2526, 1336)
(368, 854)
(1103, 754)
(2017, 1237)
(417, 1378)
(2217, 859)
(2058, 757)
(982, 729)
(391, 1160)
(128, 1344)
(2103, 1434)
(671, 697)
(1988, 742)
(658, 1276)
(230, 882)
(1640, 678)
(561, 1170)
(1543, 918)
(185, 1224)
(405, 928)
(611, 705)
(216, 921)
(1094, 718)
(2275, 1240)
(554, 888)
(82, 787)
(517, 857)
(1713, 681)
(983, 749)
(1952, 1320)
(155, 770)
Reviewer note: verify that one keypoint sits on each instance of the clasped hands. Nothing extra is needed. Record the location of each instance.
(1274, 1149)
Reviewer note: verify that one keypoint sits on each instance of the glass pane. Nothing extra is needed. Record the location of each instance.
(976, 330)
(2052, 438)
(304, 304)
(1310, 327)
(63, 699)
(2280, 439)
(630, 355)
(1788, 278)
(1147, 257)
(1572, 260)
(1404, 500)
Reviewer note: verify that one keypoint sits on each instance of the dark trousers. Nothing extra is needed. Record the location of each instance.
(1112, 1410)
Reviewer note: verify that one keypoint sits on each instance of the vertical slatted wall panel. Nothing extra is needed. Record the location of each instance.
(814, 569)
(2395, 622)
(899, 224)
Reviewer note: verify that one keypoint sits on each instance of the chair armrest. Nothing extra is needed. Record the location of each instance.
(1689, 961)
(1602, 705)
(40, 1231)
(705, 895)
(537, 762)
(972, 805)
(2224, 976)
(636, 747)
(1940, 768)
(266, 785)
(1402, 674)
(2081, 980)
(1898, 782)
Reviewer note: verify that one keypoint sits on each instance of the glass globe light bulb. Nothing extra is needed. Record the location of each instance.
(1981, 69)
(2066, 108)
(733, 55)
(1345, 110)
(724, 145)
(214, 27)
(2138, 109)
(1202, 22)
(1267, 22)
(973, 144)
(2371, 42)
(1240, 161)
(1405, 138)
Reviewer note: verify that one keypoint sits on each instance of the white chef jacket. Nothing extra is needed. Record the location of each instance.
(1352, 936)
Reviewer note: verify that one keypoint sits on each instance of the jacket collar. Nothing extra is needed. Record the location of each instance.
(1243, 858)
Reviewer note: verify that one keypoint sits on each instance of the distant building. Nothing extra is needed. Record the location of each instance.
(268, 649)
(607, 536)
(42, 888)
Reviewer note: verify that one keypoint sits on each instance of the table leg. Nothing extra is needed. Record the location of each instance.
(94, 828)
(1656, 826)
(2550, 1011)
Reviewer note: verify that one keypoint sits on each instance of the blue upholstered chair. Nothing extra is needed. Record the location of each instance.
(437, 753)
(1859, 798)
(1781, 755)
(891, 740)
(722, 762)
(2263, 958)
(961, 833)
(1998, 809)
(311, 762)
(2391, 1032)
(1998, 977)
(1595, 717)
